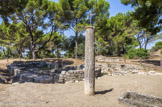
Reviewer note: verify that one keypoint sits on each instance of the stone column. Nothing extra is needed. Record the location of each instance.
(89, 75)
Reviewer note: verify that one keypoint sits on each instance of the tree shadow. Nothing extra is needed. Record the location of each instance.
(153, 62)
(65, 62)
(104, 92)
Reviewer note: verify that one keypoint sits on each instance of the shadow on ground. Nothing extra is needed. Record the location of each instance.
(153, 62)
(67, 62)
(104, 92)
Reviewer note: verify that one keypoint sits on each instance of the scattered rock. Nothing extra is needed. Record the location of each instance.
(133, 99)
(107, 59)
(2, 79)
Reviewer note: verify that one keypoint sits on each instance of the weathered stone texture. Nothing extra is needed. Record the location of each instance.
(45, 72)
(132, 99)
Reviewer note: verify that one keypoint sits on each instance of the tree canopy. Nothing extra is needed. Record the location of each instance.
(148, 13)
(36, 27)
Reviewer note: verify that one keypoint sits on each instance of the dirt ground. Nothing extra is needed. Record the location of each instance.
(108, 90)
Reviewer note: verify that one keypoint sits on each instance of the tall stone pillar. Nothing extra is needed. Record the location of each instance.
(89, 74)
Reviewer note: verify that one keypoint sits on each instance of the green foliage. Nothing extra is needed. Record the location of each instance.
(142, 53)
(81, 50)
(148, 13)
(132, 53)
(37, 17)
(8, 7)
(124, 56)
(1, 54)
(157, 46)
(117, 35)
(138, 53)
(36, 26)
(70, 46)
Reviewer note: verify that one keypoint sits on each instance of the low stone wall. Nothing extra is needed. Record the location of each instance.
(119, 69)
(32, 72)
(116, 69)
(2, 79)
(107, 59)
(76, 75)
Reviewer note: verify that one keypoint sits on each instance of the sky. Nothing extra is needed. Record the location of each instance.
(115, 7)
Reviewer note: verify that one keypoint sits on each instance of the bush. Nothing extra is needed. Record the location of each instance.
(1, 54)
(157, 46)
(132, 53)
(139, 53)
(142, 53)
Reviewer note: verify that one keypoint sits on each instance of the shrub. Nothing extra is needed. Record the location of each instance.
(132, 53)
(1, 54)
(138, 53)
(142, 53)
(157, 46)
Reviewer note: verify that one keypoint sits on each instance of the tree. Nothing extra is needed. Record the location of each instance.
(157, 46)
(144, 38)
(34, 18)
(70, 44)
(100, 9)
(148, 13)
(138, 53)
(7, 37)
(22, 41)
(55, 45)
(1, 54)
(8, 7)
(118, 34)
(73, 14)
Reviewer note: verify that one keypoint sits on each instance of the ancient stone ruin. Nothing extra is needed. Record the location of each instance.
(101, 58)
(62, 72)
(132, 99)
(47, 72)
(118, 69)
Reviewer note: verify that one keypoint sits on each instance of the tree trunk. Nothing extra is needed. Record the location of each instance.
(19, 52)
(76, 45)
(140, 46)
(141, 61)
(124, 50)
(57, 52)
(3, 49)
(20, 58)
(89, 75)
(33, 50)
(145, 45)
(34, 54)
(124, 61)
(119, 52)
(7, 58)
(146, 42)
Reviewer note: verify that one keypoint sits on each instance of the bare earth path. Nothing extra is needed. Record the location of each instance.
(108, 90)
